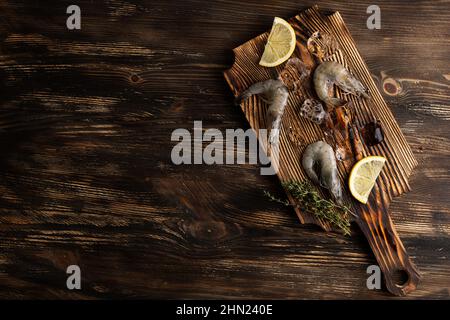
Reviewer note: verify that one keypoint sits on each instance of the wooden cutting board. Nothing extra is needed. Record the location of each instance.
(297, 132)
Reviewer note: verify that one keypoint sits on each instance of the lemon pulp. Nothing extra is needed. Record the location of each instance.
(363, 176)
(280, 44)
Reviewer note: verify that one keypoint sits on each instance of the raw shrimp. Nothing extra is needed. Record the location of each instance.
(276, 95)
(329, 73)
(320, 154)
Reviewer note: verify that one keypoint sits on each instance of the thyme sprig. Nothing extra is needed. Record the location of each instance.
(309, 200)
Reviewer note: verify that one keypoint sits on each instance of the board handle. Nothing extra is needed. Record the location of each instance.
(400, 274)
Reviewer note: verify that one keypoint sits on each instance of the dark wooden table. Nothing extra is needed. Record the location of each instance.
(86, 176)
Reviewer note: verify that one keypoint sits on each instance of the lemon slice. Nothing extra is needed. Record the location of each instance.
(280, 44)
(363, 176)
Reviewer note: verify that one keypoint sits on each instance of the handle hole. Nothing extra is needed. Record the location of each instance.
(400, 277)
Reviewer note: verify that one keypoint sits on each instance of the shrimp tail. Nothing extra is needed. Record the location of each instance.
(366, 94)
(308, 165)
(257, 88)
(242, 97)
(272, 134)
(238, 100)
(335, 102)
(273, 122)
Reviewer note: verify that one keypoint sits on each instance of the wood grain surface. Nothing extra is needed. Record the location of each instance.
(86, 176)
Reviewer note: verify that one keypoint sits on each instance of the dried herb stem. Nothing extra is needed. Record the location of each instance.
(309, 200)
